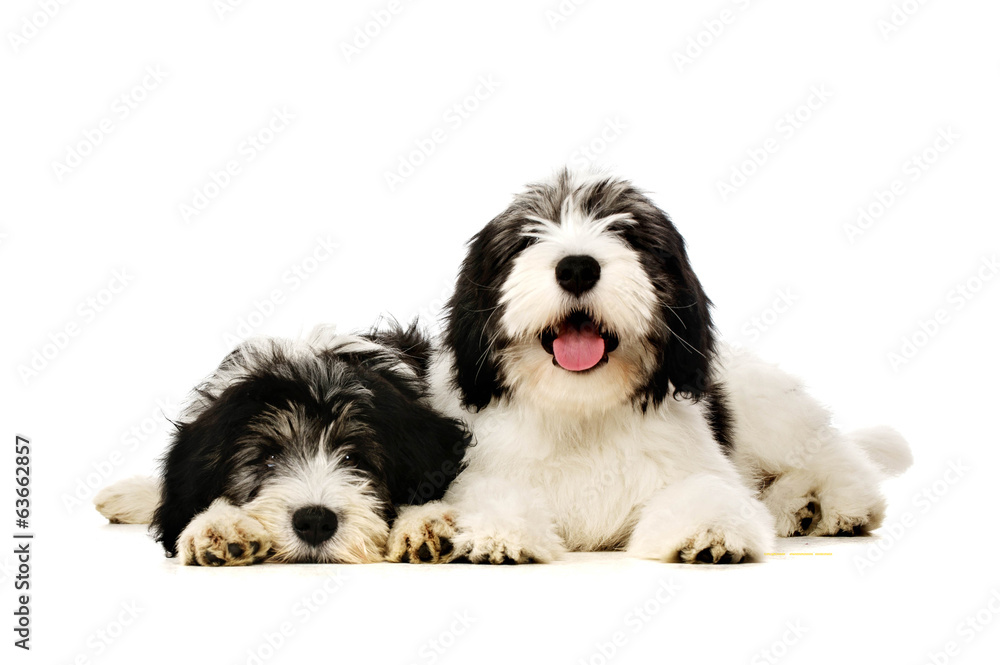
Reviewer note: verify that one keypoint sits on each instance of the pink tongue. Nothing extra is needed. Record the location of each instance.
(577, 350)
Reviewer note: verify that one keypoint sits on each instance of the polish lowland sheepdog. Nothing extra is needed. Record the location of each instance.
(580, 351)
(298, 451)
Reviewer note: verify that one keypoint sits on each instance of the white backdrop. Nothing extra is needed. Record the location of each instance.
(178, 174)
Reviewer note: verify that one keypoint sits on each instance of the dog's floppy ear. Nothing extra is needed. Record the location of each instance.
(692, 342)
(468, 332)
(196, 466)
(422, 450)
(685, 355)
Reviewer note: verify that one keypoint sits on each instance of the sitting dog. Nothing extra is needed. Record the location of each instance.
(580, 351)
(298, 452)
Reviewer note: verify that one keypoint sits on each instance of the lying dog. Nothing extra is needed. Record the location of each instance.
(298, 452)
(580, 351)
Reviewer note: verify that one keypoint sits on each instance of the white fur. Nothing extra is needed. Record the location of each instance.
(782, 432)
(623, 295)
(323, 481)
(223, 535)
(622, 301)
(129, 501)
(566, 460)
(885, 447)
(538, 482)
(360, 538)
(423, 533)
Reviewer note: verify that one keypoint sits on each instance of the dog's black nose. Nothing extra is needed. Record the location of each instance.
(314, 524)
(578, 274)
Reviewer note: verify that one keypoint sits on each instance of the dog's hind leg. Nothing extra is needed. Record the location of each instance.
(822, 482)
(130, 501)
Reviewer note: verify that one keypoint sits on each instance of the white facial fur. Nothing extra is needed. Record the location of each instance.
(563, 461)
(623, 302)
(322, 480)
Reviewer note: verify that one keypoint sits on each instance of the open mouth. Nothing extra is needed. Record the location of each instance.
(578, 343)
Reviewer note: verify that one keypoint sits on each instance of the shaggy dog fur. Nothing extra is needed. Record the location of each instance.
(298, 452)
(580, 351)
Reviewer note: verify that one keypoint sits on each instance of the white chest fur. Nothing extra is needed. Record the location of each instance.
(591, 475)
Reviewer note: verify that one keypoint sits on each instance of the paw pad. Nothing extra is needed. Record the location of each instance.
(226, 537)
(806, 517)
(422, 535)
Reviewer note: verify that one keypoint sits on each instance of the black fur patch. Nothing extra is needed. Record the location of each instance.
(376, 412)
(719, 417)
(685, 339)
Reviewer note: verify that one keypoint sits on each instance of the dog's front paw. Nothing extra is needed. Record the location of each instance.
(716, 545)
(506, 546)
(703, 521)
(422, 534)
(223, 536)
(497, 551)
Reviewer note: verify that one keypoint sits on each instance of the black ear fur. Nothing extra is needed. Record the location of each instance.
(471, 308)
(692, 341)
(197, 464)
(686, 351)
(422, 450)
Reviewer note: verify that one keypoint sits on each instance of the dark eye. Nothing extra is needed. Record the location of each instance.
(350, 459)
(270, 461)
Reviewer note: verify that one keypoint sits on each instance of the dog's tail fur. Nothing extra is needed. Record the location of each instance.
(885, 447)
(130, 501)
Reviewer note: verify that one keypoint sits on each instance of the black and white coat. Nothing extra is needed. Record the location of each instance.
(298, 451)
(644, 436)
